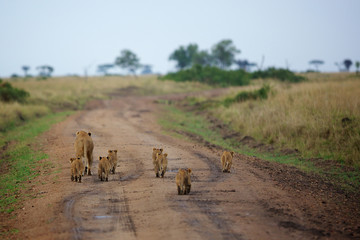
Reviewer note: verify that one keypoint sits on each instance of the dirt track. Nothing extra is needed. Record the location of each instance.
(244, 204)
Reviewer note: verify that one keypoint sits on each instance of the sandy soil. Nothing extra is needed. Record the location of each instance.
(248, 203)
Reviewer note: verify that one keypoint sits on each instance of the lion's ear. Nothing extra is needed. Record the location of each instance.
(109, 151)
(161, 150)
(189, 170)
(165, 154)
(77, 133)
(115, 151)
(89, 133)
(107, 158)
(232, 153)
(71, 160)
(100, 158)
(154, 149)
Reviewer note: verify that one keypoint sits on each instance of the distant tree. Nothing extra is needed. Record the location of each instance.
(357, 65)
(104, 68)
(245, 65)
(316, 64)
(146, 69)
(224, 53)
(184, 56)
(203, 58)
(347, 63)
(14, 75)
(25, 69)
(128, 60)
(45, 70)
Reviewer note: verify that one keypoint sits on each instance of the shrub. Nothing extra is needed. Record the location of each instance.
(10, 94)
(210, 75)
(261, 93)
(280, 74)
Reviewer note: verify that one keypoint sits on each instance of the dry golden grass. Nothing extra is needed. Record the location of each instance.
(311, 116)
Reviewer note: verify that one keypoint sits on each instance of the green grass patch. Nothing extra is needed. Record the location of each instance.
(261, 93)
(183, 124)
(20, 159)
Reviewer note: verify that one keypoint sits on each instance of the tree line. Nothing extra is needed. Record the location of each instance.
(222, 55)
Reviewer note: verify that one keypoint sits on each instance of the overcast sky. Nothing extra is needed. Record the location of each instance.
(72, 35)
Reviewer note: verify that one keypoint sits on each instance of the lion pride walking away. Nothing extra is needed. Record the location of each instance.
(77, 168)
(84, 147)
(226, 161)
(183, 181)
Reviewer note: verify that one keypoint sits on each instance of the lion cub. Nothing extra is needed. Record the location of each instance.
(226, 161)
(183, 181)
(161, 163)
(104, 167)
(112, 154)
(84, 147)
(77, 168)
(156, 151)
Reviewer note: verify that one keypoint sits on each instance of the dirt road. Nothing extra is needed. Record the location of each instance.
(244, 204)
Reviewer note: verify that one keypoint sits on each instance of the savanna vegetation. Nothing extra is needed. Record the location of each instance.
(311, 125)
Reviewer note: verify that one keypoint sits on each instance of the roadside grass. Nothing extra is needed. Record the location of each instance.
(188, 125)
(19, 161)
(320, 119)
(183, 124)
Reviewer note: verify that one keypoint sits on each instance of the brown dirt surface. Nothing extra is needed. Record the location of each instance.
(257, 200)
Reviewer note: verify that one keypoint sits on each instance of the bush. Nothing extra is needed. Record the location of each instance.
(10, 94)
(210, 75)
(261, 93)
(281, 74)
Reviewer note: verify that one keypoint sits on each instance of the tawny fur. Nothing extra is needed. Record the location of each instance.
(104, 168)
(112, 154)
(77, 168)
(161, 163)
(226, 161)
(84, 147)
(183, 181)
(155, 163)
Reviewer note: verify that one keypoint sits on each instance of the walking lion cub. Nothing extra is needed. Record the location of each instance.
(226, 160)
(104, 167)
(183, 181)
(156, 151)
(161, 163)
(112, 154)
(77, 168)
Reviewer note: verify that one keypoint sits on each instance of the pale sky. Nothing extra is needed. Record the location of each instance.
(72, 35)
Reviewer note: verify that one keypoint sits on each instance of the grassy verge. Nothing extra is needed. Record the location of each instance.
(188, 125)
(19, 161)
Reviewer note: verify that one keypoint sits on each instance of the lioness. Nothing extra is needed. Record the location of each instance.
(226, 161)
(84, 147)
(112, 154)
(183, 181)
(77, 168)
(156, 167)
(161, 164)
(104, 167)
